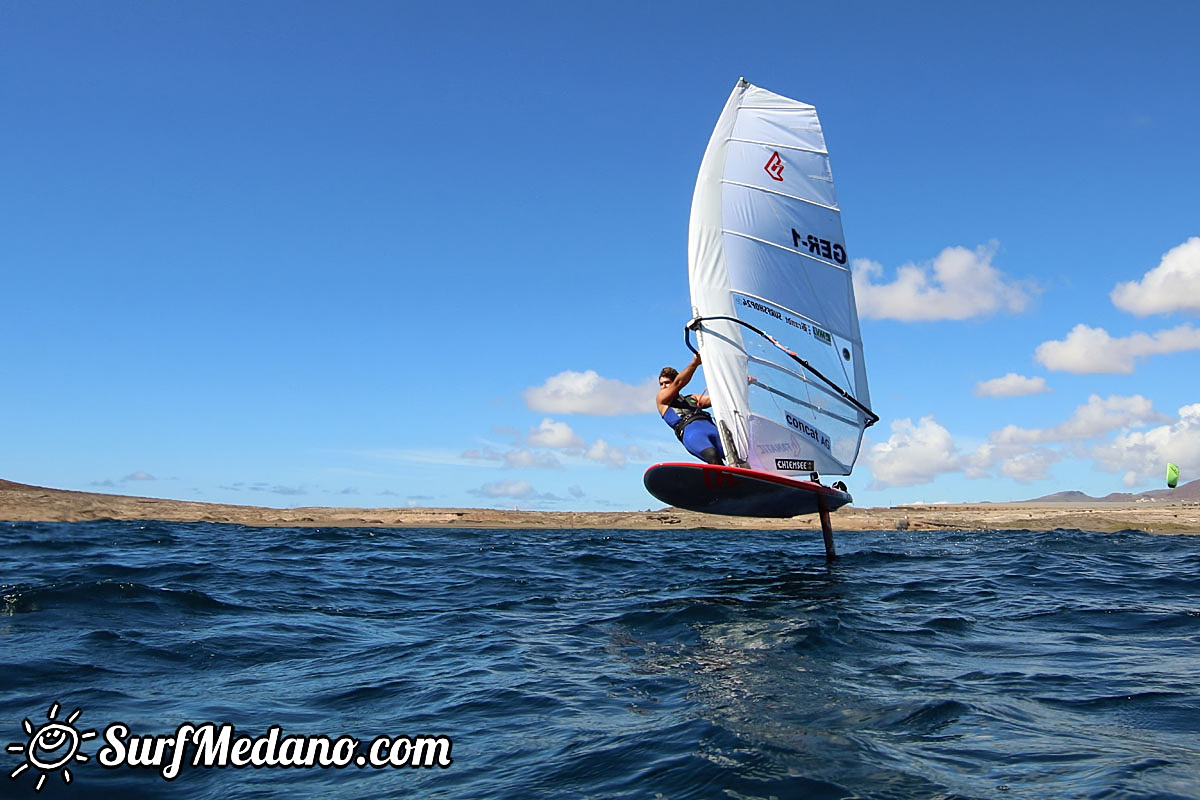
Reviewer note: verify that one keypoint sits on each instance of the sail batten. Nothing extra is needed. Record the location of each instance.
(814, 406)
(783, 194)
(766, 253)
(782, 308)
(781, 247)
(797, 148)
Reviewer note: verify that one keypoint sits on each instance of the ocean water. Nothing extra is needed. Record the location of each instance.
(602, 664)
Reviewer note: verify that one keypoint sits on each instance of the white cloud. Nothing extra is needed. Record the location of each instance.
(979, 464)
(290, 491)
(919, 453)
(1030, 466)
(557, 436)
(1017, 460)
(1088, 351)
(1022, 463)
(531, 458)
(514, 489)
(440, 457)
(958, 284)
(516, 458)
(572, 392)
(554, 434)
(261, 486)
(1011, 385)
(505, 430)
(1097, 417)
(606, 454)
(1101, 429)
(1143, 455)
(1174, 285)
(913, 454)
(139, 476)
(1021, 454)
(484, 454)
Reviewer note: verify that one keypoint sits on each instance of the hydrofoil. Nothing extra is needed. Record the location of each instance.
(739, 492)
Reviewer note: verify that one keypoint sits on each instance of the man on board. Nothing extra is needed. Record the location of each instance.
(686, 415)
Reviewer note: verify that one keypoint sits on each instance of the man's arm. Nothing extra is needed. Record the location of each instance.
(672, 389)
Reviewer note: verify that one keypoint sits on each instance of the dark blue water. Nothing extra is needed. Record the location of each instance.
(615, 664)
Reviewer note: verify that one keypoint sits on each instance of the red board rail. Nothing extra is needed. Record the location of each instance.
(734, 491)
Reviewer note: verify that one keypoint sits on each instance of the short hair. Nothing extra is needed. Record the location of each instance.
(669, 372)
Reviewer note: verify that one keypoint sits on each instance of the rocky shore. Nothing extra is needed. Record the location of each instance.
(22, 503)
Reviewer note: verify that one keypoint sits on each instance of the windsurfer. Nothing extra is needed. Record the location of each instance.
(686, 415)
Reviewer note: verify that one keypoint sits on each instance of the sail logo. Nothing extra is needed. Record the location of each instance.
(811, 432)
(819, 247)
(774, 166)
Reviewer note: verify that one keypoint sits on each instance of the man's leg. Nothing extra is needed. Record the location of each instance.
(702, 440)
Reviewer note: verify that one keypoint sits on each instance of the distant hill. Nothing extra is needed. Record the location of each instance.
(1189, 491)
(1065, 497)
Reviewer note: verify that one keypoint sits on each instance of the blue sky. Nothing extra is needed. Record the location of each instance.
(409, 253)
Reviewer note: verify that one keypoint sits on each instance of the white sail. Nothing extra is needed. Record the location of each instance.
(766, 253)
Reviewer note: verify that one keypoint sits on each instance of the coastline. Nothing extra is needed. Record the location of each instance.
(22, 503)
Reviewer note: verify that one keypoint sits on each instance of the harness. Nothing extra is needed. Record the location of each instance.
(687, 412)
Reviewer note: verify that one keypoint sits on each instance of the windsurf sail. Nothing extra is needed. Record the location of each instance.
(1172, 476)
(771, 291)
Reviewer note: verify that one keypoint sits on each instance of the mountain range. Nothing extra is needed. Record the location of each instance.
(1187, 492)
